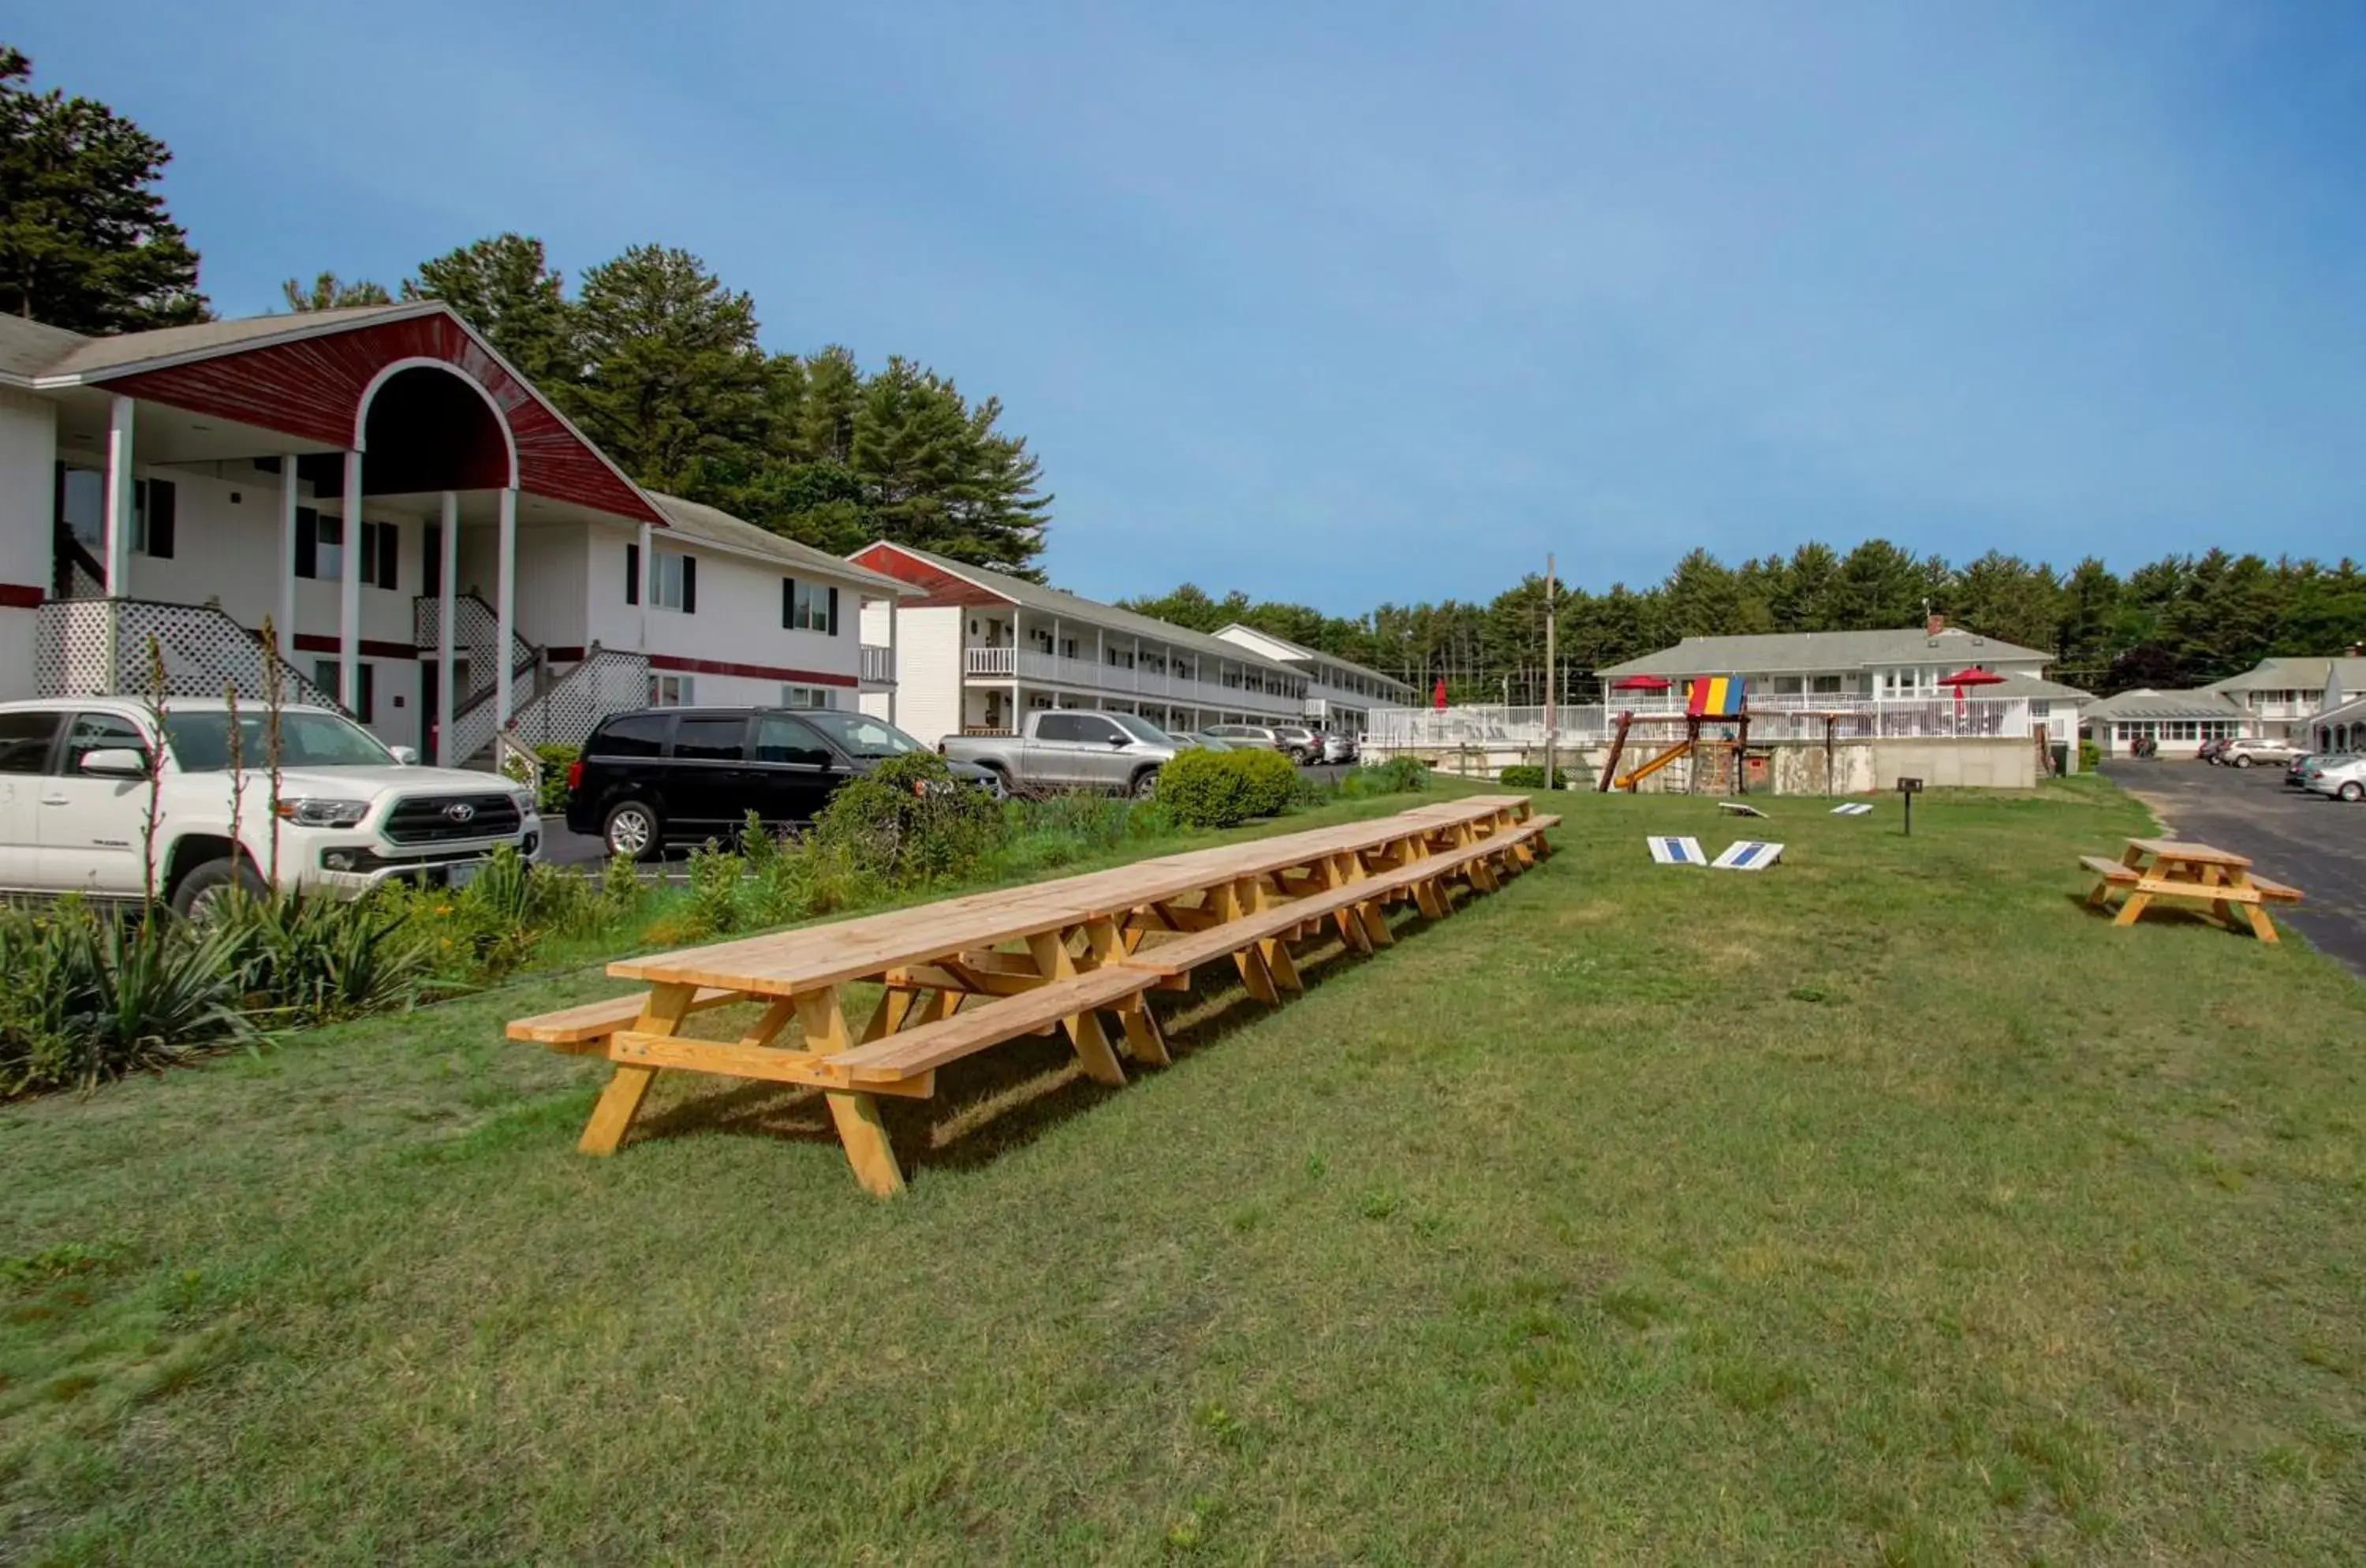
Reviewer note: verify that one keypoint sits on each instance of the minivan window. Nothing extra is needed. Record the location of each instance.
(710, 739)
(860, 734)
(635, 735)
(779, 738)
(25, 740)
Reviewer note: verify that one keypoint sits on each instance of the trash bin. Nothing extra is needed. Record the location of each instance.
(2061, 760)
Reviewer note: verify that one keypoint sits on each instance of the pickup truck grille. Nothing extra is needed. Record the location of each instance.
(434, 819)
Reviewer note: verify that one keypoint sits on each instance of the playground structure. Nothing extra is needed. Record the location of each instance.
(1710, 699)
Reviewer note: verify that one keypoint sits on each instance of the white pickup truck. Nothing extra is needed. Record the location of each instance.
(1072, 749)
(74, 785)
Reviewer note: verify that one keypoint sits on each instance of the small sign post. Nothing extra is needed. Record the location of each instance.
(1907, 790)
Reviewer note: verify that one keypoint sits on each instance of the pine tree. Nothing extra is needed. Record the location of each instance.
(506, 289)
(673, 376)
(327, 291)
(86, 242)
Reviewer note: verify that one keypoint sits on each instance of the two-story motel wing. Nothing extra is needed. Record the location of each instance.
(1340, 694)
(440, 552)
(976, 650)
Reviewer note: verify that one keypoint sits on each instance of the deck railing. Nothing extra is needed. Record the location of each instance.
(878, 665)
(1774, 719)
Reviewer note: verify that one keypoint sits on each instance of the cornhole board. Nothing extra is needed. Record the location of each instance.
(1736, 808)
(1854, 809)
(1747, 854)
(1676, 851)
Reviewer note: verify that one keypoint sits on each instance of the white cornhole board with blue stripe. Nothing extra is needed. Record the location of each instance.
(1854, 809)
(1747, 854)
(1676, 851)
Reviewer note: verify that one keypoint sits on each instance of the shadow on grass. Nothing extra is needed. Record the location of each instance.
(2160, 914)
(1007, 1097)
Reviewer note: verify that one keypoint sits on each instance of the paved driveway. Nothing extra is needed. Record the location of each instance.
(2317, 845)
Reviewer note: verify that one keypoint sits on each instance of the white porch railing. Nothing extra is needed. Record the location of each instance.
(878, 665)
(88, 648)
(607, 680)
(989, 661)
(1770, 718)
(1145, 680)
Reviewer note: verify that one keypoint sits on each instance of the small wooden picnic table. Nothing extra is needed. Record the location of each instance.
(1032, 959)
(2174, 868)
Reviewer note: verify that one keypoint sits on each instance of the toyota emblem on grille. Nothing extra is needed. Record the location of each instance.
(460, 811)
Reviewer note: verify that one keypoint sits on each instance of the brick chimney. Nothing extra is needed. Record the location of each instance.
(1935, 625)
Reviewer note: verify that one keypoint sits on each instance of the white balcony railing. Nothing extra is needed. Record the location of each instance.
(1787, 718)
(878, 665)
(1140, 681)
(988, 661)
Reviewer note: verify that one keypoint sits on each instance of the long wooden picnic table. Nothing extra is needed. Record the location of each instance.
(1055, 955)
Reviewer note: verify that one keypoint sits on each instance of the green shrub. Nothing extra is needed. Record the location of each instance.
(92, 996)
(2091, 755)
(550, 794)
(308, 960)
(908, 822)
(1524, 775)
(1223, 789)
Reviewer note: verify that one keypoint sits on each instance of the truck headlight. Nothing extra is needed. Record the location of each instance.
(314, 811)
(525, 801)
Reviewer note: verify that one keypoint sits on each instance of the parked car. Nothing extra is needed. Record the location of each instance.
(2211, 748)
(1209, 739)
(76, 777)
(2250, 751)
(658, 776)
(2343, 778)
(1072, 749)
(1294, 741)
(1338, 748)
(2297, 773)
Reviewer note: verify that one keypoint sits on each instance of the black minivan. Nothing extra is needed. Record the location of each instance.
(657, 776)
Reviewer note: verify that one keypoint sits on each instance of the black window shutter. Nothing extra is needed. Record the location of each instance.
(389, 555)
(689, 585)
(160, 503)
(632, 574)
(788, 602)
(832, 627)
(308, 542)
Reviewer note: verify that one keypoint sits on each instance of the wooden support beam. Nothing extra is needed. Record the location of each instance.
(667, 1006)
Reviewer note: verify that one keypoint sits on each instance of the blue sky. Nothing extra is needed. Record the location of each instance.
(1353, 302)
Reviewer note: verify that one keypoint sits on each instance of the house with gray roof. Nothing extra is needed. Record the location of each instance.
(2177, 722)
(1867, 669)
(977, 648)
(2286, 694)
(438, 550)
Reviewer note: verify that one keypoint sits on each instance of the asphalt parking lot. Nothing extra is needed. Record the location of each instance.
(2317, 844)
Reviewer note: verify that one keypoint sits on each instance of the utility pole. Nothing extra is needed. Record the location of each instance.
(1551, 620)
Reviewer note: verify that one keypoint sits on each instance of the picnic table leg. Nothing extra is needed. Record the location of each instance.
(2261, 926)
(1365, 925)
(1107, 944)
(1273, 948)
(856, 1115)
(1054, 962)
(2132, 908)
(1225, 899)
(621, 1100)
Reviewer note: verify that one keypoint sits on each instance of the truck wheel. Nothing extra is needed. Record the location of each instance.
(204, 894)
(632, 831)
(1146, 783)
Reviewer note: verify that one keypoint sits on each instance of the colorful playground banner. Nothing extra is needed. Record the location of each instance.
(1715, 696)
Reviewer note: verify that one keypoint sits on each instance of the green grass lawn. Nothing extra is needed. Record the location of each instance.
(1884, 1206)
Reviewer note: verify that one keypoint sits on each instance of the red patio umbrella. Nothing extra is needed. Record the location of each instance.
(1437, 697)
(1641, 683)
(1973, 676)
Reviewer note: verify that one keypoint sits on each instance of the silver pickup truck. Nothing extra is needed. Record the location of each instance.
(1072, 749)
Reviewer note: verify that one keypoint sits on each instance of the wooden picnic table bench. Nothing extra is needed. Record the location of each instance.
(2173, 868)
(966, 974)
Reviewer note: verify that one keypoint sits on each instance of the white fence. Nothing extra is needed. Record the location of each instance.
(1770, 718)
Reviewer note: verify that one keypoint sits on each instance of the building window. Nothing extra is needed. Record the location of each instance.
(325, 676)
(152, 511)
(809, 608)
(2039, 707)
(673, 582)
(381, 552)
(808, 697)
(670, 690)
(1068, 648)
